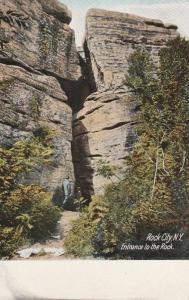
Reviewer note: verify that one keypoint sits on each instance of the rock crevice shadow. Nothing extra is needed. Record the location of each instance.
(82, 161)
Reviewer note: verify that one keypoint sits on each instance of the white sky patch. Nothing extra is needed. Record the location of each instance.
(175, 13)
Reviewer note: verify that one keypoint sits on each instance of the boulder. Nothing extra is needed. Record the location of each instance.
(37, 33)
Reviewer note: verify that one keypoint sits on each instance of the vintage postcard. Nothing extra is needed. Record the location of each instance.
(94, 130)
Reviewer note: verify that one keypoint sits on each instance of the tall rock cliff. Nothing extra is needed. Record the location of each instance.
(44, 79)
(39, 64)
(103, 128)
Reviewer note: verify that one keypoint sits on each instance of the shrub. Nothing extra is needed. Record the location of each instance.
(30, 208)
(26, 211)
(44, 217)
(79, 240)
(10, 240)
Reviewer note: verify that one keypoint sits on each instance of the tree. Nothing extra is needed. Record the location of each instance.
(153, 196)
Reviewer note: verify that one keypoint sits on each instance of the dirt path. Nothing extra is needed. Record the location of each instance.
(64, 225)
(57, 241)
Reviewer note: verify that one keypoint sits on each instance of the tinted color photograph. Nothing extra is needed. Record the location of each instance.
(94, 130)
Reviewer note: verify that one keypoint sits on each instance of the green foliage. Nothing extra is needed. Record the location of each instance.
(6, 84)
(10, 240)
(48, 43)
(44, 217)
(153, 195)
(26, 211)
(45, 136)
(34, 106)
(80, 203)
(30, 208)
(18, 160)
(79, 240)
(106, 170)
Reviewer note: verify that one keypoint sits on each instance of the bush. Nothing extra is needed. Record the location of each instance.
(28, 214)
(10, 240)
(26, 211)
(79, 240)
(44, 217)
(30, 208)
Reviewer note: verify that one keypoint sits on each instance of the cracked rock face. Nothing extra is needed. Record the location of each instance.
(103, 129)
(41, 73)
(111, 37)
(37, 46)
(38, 33)
(28, 103)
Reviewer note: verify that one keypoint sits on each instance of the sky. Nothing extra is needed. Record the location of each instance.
(169, 11)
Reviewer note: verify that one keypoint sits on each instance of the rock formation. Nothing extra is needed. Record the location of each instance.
(103, 129)
(44, 39)
(44, 79)
(39, 64)
(30, 103)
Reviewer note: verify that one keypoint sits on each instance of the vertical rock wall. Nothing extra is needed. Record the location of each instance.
(38, 58)
(103, 129)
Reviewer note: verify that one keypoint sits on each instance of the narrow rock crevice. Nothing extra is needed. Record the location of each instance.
(117, 125)
(90, 77)
(72, 89)
(94, 109)
(76, 91)
(77, 94)
(19, 63)
(89, 69)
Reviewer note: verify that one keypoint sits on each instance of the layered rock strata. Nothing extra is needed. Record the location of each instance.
(38, 34)
(30, 104)
(39, 65)
(43, 76)
(103, 129)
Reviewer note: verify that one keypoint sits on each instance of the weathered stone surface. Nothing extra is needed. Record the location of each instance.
(103, 129)
(37, 46)
(39, 72)
(57, 10)
(111, 37)
(28, 102)
(37, 33)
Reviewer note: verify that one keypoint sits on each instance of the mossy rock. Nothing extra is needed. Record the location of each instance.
(5, 84)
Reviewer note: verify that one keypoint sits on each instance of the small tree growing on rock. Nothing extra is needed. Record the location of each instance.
(154, 193)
